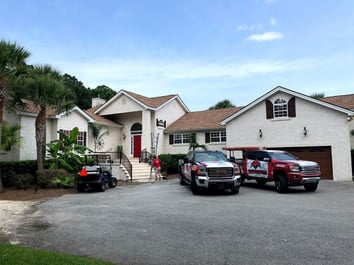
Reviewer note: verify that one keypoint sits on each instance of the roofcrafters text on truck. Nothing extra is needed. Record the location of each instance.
(209, 169)
(279, 166)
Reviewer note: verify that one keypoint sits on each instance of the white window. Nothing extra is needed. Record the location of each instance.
(280, 108)
(183, 138)
(81, 137)
(218, 137)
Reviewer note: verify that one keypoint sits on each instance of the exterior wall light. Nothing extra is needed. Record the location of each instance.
(305, 131)
(124, 136)
(260, 134)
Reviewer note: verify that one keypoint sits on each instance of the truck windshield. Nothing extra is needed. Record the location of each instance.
(202, 157)
(282, 156)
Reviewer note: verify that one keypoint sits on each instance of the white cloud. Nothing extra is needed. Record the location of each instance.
(159, 74)
(267, 36)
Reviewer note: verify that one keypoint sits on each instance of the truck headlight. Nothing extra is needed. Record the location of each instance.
(202, 171)
(294, 168)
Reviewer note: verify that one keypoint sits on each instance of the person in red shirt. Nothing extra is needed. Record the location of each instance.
(157, 167)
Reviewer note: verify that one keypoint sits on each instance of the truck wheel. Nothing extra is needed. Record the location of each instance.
(281, 185)
(235, 190)
(194, 186)
(181, 179)
(310, 187)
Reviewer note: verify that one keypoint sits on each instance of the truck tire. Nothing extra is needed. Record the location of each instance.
(194, 186)
(235, 190)
(181, 179)
(310, 187)
(281, 184)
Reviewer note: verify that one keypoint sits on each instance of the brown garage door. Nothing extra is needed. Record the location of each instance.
(320, 154)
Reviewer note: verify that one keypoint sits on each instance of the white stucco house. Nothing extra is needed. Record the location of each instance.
(312, 129)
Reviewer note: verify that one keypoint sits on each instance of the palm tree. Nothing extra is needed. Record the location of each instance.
(12, 56)
(98, 132)
(42, 86)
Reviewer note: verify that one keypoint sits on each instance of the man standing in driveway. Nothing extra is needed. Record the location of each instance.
(157, 167)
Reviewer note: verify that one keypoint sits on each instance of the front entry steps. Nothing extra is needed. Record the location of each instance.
(141, 171)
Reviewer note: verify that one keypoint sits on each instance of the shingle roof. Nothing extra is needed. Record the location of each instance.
(201, 120)
(344, 101)
(153, 102)
(29, 107)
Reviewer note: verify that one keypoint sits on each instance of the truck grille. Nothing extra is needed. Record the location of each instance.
(310, 169)
(221, 172)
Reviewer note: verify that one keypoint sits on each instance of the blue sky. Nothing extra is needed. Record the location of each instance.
(203, 50)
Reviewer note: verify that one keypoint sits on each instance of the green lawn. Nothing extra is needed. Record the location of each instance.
(17, 255)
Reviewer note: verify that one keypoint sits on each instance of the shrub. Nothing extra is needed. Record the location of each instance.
(46, 177)
(22, 181)
(64, 181)
(9, 169)
(169, 162)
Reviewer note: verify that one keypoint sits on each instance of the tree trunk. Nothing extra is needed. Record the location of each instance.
(2, 99)
(41, 137)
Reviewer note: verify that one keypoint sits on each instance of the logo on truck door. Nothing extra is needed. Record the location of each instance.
(257, 168)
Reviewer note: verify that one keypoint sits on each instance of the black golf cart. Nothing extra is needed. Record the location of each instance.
(96, 173)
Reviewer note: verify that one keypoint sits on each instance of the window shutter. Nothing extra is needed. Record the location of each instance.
(193, 138)
(292, 107)
(269, 109)
(171, 138)
(85, 135)
(207, 137)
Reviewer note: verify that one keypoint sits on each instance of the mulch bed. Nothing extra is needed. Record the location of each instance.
(31, 194)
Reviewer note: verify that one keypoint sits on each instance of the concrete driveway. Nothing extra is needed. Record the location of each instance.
(163, 223)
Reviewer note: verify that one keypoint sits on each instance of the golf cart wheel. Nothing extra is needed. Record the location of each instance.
(113, 183)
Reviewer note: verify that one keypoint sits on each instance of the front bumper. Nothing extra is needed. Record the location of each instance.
(296, 180)
(312, 180)
(225, 183)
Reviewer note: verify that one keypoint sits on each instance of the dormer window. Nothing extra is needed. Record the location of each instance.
(280, 108)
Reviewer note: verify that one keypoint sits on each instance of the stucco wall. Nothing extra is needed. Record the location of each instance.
(325, 127)
(169, 113)
(122, 104)
(184, 148)
(28, 147)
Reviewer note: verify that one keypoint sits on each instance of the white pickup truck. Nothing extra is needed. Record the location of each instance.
(207, 170)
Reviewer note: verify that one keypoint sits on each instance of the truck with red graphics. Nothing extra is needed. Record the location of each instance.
(207, 169)
(280, 167)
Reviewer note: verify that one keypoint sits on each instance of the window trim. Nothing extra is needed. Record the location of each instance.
(280, 109)
(216, 137)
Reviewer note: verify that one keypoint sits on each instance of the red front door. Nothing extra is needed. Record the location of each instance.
(136, 145)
